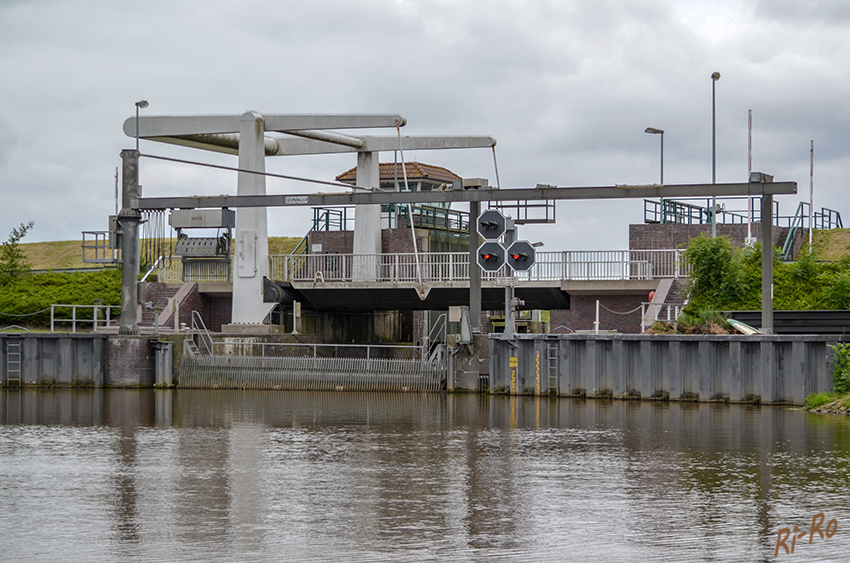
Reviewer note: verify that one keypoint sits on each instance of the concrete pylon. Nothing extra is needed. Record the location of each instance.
(367, 219)
(251, 260)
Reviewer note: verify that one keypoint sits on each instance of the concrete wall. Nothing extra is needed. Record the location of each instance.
(766, 369)
(129, 362)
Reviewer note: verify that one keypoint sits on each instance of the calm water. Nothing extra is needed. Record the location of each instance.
(276, 476)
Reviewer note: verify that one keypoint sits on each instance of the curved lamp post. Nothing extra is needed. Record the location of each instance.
(141, 104)
(715, 76)
(654, 131)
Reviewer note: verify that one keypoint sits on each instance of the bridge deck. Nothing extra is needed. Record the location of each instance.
(437, 280)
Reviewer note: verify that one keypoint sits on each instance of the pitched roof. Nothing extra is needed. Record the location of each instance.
(415, 171)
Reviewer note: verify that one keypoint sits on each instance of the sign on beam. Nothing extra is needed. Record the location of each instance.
(491, 224)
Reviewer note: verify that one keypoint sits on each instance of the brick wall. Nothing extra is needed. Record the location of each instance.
(582, 313)
(338, 242)
(656, 236)
(217, 311)
(393, 241)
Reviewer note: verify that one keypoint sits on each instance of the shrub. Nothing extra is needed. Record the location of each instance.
(841, 367)
(717, 277)
(818, 399)
(24, 298)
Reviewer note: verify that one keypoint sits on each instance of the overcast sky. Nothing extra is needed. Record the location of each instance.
(566, 88)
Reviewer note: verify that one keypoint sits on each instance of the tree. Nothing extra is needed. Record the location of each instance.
(13, 261)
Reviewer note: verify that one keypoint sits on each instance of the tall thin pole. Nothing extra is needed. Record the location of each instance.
(811, 191)
(662, 158)
(116, 191)
(749, 171)
(715, 76)
(663, 214)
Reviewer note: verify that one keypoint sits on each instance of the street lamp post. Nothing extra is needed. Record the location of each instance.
(141, 104)
(715, 76)
(654, 131)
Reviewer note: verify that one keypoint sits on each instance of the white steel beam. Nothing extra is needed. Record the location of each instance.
(172, 126)
(293, 147)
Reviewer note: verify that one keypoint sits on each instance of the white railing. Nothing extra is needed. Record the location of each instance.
(454, 267)
(446, 267)
(651, 312)
(102, 316)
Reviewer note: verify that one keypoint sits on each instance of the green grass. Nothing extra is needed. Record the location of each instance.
(819, 399)
(68, 254)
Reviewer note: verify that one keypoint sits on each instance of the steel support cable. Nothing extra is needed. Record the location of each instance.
(410, 215)
(269, 174)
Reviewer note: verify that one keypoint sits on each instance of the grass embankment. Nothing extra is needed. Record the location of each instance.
(68, 255)
(839, 400)
(24, 299)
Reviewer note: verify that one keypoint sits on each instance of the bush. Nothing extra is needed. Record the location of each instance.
(717, 275)
(818, 400)
(24, 299)
(841, 367)
(726, 278)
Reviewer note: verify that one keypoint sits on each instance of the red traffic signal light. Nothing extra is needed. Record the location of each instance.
(491, 256)
(521, 255)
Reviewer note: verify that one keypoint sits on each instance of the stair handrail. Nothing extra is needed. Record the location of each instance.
(152, 268)
(796, 224)
(438, 329)
(199, 327)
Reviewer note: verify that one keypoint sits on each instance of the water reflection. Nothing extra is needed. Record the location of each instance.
(260, 475)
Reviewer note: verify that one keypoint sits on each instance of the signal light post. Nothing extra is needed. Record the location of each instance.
(492, 257)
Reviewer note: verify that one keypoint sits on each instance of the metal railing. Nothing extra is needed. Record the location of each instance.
(679, 211)
(199, 328)
(101, 316)
(98, 248)
(231, 347)
(448, 267)
(152, 268)
(651, 312)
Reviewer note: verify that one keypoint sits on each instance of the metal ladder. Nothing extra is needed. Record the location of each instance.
(552, 367)
(13, 362)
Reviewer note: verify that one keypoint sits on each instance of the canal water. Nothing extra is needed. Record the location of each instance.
(190, 475)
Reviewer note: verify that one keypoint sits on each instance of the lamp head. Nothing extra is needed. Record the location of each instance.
(715, 76)
(654, 131)
(142, 104)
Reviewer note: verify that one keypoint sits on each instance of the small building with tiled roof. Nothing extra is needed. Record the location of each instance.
(421, 177)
